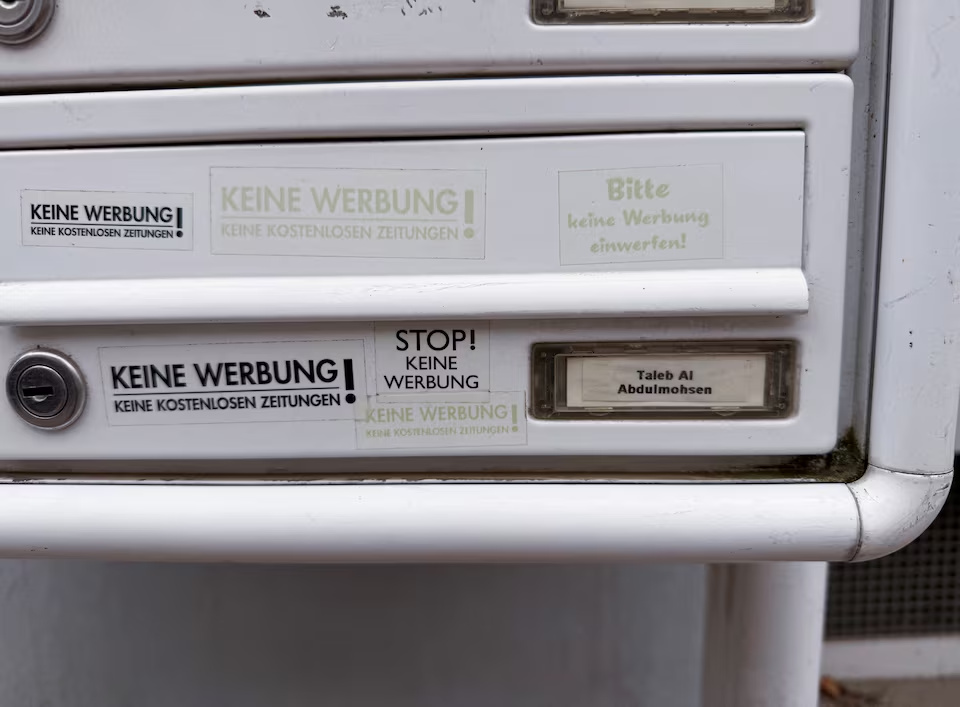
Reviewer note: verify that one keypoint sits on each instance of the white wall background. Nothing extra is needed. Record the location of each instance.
(81, 634)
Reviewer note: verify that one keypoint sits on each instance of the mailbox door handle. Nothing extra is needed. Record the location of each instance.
(532, 296)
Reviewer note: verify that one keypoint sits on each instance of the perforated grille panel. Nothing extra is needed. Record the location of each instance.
(913, 592)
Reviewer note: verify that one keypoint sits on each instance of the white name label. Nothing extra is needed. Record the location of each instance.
(720, 380)
(640, 215)
(106, 219)
(433, 360)
(669, 5)
(278, 381)
(362, 213)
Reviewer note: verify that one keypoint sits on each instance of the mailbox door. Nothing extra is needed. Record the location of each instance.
(180, 42)
(594, 288)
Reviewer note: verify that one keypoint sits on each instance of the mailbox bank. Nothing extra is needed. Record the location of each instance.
(291, 295)
(484, 281)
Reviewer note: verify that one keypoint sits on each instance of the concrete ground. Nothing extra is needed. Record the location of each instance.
(894, 693)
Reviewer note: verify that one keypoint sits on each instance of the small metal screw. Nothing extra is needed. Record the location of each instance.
(22, 20)
(46, 389)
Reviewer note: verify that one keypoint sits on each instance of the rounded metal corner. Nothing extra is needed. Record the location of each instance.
(895, 508)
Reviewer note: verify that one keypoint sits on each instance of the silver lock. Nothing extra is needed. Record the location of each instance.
(46, 389)
(22, 20)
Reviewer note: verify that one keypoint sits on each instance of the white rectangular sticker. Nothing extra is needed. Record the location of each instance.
(432, 361)
(640, 215)
(669, 4)
(500, 421)
(361, 213)
(720, 380)
(106, 219)
(280, 381)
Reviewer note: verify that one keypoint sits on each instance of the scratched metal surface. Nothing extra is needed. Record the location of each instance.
(913, 592)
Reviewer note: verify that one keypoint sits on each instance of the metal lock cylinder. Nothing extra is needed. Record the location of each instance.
(22, 20)
(46, 389)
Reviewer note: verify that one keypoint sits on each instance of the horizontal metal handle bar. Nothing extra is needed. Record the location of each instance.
(434, 521)
(431, 522)
(272, 299)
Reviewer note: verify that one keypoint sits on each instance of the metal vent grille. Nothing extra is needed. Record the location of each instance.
(913, 592)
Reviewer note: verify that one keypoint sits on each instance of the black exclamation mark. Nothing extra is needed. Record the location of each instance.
(179, 221)
(348, 380)
(473, 339)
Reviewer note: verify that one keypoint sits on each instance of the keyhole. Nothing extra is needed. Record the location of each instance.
(38, 393)
(45, 389)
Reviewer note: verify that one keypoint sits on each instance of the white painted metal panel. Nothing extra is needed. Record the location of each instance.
(116, 42)
(811, 428)
(917, 376)
(762, 239)
(434, 109)
(747, 186)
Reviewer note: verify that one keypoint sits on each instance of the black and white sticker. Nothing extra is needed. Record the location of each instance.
(280, 381)
(106, 219)
(439, 361)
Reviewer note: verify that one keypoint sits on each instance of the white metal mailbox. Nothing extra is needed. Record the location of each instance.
(433, 269)
(588, 317)
(182, 43)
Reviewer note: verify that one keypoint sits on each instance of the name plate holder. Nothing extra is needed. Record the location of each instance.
(663, 380)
